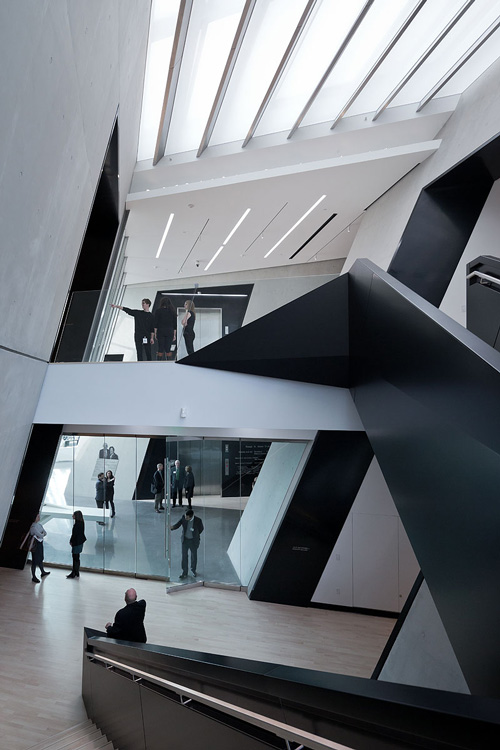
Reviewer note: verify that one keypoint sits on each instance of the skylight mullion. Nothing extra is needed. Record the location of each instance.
(331, 66)
(379, 61)
(226, 76)
(280, 69)
(181, 31)
(459, 63)
(437, 41)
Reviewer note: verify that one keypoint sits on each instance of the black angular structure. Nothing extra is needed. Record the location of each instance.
(305, 340)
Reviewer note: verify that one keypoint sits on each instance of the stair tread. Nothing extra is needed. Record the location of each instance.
(71, 739)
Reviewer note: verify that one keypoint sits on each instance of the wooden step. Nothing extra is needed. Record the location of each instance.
(84, 736)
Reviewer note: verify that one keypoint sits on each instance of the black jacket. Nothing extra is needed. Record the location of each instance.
(158, 481)
(143, 321)
(100, 490)
(197, 527)
(129, 623)
(78, 534)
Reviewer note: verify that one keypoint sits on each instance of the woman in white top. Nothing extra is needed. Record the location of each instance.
(38, 533)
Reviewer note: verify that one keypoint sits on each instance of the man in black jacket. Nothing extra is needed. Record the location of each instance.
(192, 527)
(144, 327)
(129, 621)
(158, 485)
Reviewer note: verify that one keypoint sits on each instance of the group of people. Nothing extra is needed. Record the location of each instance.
(105, 491)
(180, 480)
(37, 534)
(161, 327)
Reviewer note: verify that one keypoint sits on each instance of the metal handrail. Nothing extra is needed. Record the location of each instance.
(485, 276)
(285, 731)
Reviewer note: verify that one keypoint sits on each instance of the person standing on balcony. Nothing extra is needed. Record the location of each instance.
(158, 487)
(176, 483)
(189, 484)
(143, 328)
(188, 325)
(165, 323)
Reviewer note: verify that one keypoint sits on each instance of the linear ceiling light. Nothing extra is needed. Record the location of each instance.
(160, 247)
(211, 261)
(295, 226)
(233, 230)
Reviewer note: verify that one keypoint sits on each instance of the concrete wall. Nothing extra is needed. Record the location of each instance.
(475, 121)
(68, 67)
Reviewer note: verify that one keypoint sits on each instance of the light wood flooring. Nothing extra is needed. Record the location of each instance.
(42, 632)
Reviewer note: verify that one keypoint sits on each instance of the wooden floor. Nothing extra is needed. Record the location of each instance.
(41, 639)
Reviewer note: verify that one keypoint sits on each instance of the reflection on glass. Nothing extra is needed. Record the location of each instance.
(236, 488)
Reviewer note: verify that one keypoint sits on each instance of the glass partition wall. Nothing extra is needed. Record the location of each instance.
(134, 493)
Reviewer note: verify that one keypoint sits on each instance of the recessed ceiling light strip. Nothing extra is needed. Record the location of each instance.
(455, 68)
(215, 256)
(160, 247)
(295, 226)
(423, 58)
(233, 230)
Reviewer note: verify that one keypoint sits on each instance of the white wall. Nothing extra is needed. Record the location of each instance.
(372, 565)
(475, 121)
(68, 65)
(266, 506)
(147, 397)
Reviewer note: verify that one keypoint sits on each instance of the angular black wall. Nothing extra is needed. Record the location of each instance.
(314, 519)
(427, 392)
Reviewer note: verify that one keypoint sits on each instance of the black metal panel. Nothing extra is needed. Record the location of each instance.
(427, 391)
(483, 300)
(441, 223)
(30, 491)
(116, 708)
(192, 726)
(315, 517)
(305, 340)
(366, 714)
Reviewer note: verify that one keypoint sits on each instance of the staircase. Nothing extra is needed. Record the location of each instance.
(84, 736)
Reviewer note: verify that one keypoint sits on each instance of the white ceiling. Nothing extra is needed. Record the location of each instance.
(277, 176)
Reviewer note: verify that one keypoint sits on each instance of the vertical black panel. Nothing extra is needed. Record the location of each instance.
(92, 263)
(116, 708)
(315, 517)
(30, 490)
(427, 391)
(441, 223)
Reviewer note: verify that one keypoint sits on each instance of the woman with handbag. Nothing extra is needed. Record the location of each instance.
(77, 541)
(38, 533)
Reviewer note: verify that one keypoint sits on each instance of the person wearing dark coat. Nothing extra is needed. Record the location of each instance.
(129, 621)
(158, 485)
(77, 541)
(189, 484)
(143, 321)
(109, 492)
(100, 490)
(165, 325)
(176, 482)
(192, 527)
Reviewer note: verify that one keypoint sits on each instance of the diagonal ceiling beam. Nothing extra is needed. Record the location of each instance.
(174, 70)
(437, 41)
(280, 69)
(395, 39)
(333, 63)
(456, 67)
(226, 75)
